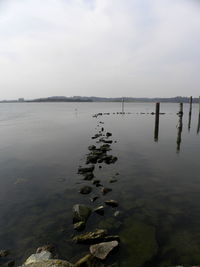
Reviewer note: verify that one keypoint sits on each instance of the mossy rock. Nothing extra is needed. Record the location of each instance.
(138, 243)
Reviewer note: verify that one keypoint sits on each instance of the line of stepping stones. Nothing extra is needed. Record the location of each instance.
(101, 243)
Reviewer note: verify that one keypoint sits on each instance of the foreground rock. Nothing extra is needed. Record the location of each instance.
(49, 263)
(102, 250)
(81, 213)
(99, 210)
(91, 236)
(112, 203)
(42, 256)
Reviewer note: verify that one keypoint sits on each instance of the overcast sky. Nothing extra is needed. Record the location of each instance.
(99, 48)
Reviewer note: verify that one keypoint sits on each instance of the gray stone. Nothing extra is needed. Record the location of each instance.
(85, 190)
(79, 226)
(49, 263)
(102, 250)
(81, 213)
(111, 203)
(88, 237)
(99, 210)
(42, 256)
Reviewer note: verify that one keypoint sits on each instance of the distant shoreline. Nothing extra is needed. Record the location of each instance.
(79, 99)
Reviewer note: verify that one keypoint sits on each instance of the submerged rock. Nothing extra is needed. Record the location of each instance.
(91, 147)
(42, 256)
(99, 210)
(102, 250)
(113, 180)
(88, 176)
(85, 190)
(81, 213)
(93, 199)
(91, 236)
(108, 134)
(79, 226)
(112, 203)
(10, 263)
(105, 190)
(4, 253)
(83, 170)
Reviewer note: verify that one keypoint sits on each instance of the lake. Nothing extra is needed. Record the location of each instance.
(157, 188)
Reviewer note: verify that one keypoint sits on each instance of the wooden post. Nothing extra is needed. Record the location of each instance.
(190, 114)
(179, 127)
(122, 105)
(198, 126)
(156, 130)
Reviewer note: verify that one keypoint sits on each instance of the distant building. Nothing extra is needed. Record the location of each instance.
(21, 100)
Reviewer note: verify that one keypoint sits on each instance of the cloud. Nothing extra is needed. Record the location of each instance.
(107, 48)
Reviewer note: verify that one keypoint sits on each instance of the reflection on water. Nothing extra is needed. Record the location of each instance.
(158, 192)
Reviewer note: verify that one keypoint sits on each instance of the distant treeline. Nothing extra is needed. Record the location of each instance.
(177, 99)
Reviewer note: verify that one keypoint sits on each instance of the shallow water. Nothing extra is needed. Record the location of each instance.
(158, 188)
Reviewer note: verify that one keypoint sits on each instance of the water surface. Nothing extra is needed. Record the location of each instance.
(158, 188)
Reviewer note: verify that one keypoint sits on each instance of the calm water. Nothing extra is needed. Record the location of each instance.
(158, 187)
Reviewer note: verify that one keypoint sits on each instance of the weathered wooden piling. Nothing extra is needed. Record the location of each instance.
(198, 125)
(156, 130)
(190, 114)
(179, 127)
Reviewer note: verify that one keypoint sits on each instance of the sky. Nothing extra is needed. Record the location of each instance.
(111, 48)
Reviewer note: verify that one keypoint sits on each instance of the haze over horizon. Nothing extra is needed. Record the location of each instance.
(137, 48)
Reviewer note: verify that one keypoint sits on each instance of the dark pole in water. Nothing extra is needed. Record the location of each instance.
(198, 126)
(179, 127)
(156, 130)
(190, 114)
(122, 105)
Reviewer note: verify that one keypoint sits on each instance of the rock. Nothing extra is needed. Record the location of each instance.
(92, 159)
(105, 190)
(108, 159)
(105, 148)
(86, 261)
(85, 190)
(42, 256)
(88, 176)
(113, 180)
(106, 141)
(79, 226)
(96, 136)
(4, 253)
(108, 134)
(49, 248)
(91, 147)
(93, 199)
(89, 237)
(81, 213)
(117, 213)
(82, 170)
(112, 203)
(99, 210)
(102, 129)
(10, 263)
(50, 263)
(102, 250)
(96, 181)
